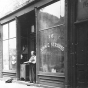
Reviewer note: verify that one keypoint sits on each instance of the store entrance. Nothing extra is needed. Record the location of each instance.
(28, 43)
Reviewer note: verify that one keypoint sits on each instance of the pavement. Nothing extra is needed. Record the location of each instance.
(15, 85)
(20, 84)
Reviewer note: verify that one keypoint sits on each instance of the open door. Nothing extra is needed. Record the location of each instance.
(26, 42)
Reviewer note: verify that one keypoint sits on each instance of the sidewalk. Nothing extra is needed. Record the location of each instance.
(21, 84)
(15, 85)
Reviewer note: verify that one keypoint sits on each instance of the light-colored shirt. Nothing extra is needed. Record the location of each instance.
(32, 59)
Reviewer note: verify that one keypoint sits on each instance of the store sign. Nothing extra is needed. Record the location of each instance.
(82, 10)
(57, 45)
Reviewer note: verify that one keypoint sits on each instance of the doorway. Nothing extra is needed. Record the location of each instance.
(27, 43)
(81, 55)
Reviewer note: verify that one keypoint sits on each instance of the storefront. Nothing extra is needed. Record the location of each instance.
(39, 27)
(57, 31)
(44, 30)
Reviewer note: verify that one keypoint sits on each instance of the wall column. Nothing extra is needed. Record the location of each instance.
(18, 48)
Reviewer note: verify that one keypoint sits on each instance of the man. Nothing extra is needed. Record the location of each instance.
(32, 72)
(32, 68)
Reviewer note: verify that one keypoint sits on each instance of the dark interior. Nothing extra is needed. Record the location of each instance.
(28, 35)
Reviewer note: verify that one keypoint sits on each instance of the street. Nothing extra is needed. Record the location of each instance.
(15, 85)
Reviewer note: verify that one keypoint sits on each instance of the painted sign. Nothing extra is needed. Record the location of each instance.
(57, 45)
(82, 10)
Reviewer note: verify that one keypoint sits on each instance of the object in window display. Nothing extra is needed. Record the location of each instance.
(21, 56)
(13, 60)
(32, 28)
(25, 50)
(12, 53)
(53, 70)
(5, 55)
(24, 54)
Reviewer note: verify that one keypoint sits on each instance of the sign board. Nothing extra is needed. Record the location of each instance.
(82, 10)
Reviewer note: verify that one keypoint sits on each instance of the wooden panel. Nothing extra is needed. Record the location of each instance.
(9, 74)
(52, 81)
(82, 56)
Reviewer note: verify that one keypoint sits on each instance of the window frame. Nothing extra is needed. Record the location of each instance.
(9, 70)
(49, 73)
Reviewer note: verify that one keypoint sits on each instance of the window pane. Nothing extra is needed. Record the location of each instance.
(52, 15)
(5, 31)
(12, 53)
(5, 55)
(45, 50)
(57, 49)
(12, 29)
(52, 50)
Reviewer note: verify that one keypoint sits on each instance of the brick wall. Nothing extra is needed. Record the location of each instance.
(9, 6)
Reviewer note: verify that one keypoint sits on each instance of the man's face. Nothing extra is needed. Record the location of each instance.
(32, 52)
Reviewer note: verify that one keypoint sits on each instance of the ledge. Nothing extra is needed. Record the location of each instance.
(81, 21)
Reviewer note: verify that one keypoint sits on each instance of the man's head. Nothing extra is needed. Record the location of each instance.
(32, 52)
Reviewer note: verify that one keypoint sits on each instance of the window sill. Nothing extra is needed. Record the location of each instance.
(9, 71)
(51, 74)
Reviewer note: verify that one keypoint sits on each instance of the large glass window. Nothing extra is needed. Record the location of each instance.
(5, 55)
(9, 46)
(52, 37)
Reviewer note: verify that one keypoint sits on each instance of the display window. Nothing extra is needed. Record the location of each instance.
(9, 46)
(51, 21)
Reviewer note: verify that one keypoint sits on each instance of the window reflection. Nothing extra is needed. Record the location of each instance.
(12, 29)
(5, 31)
(5, 55)
(12, 53)
(52, 15)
